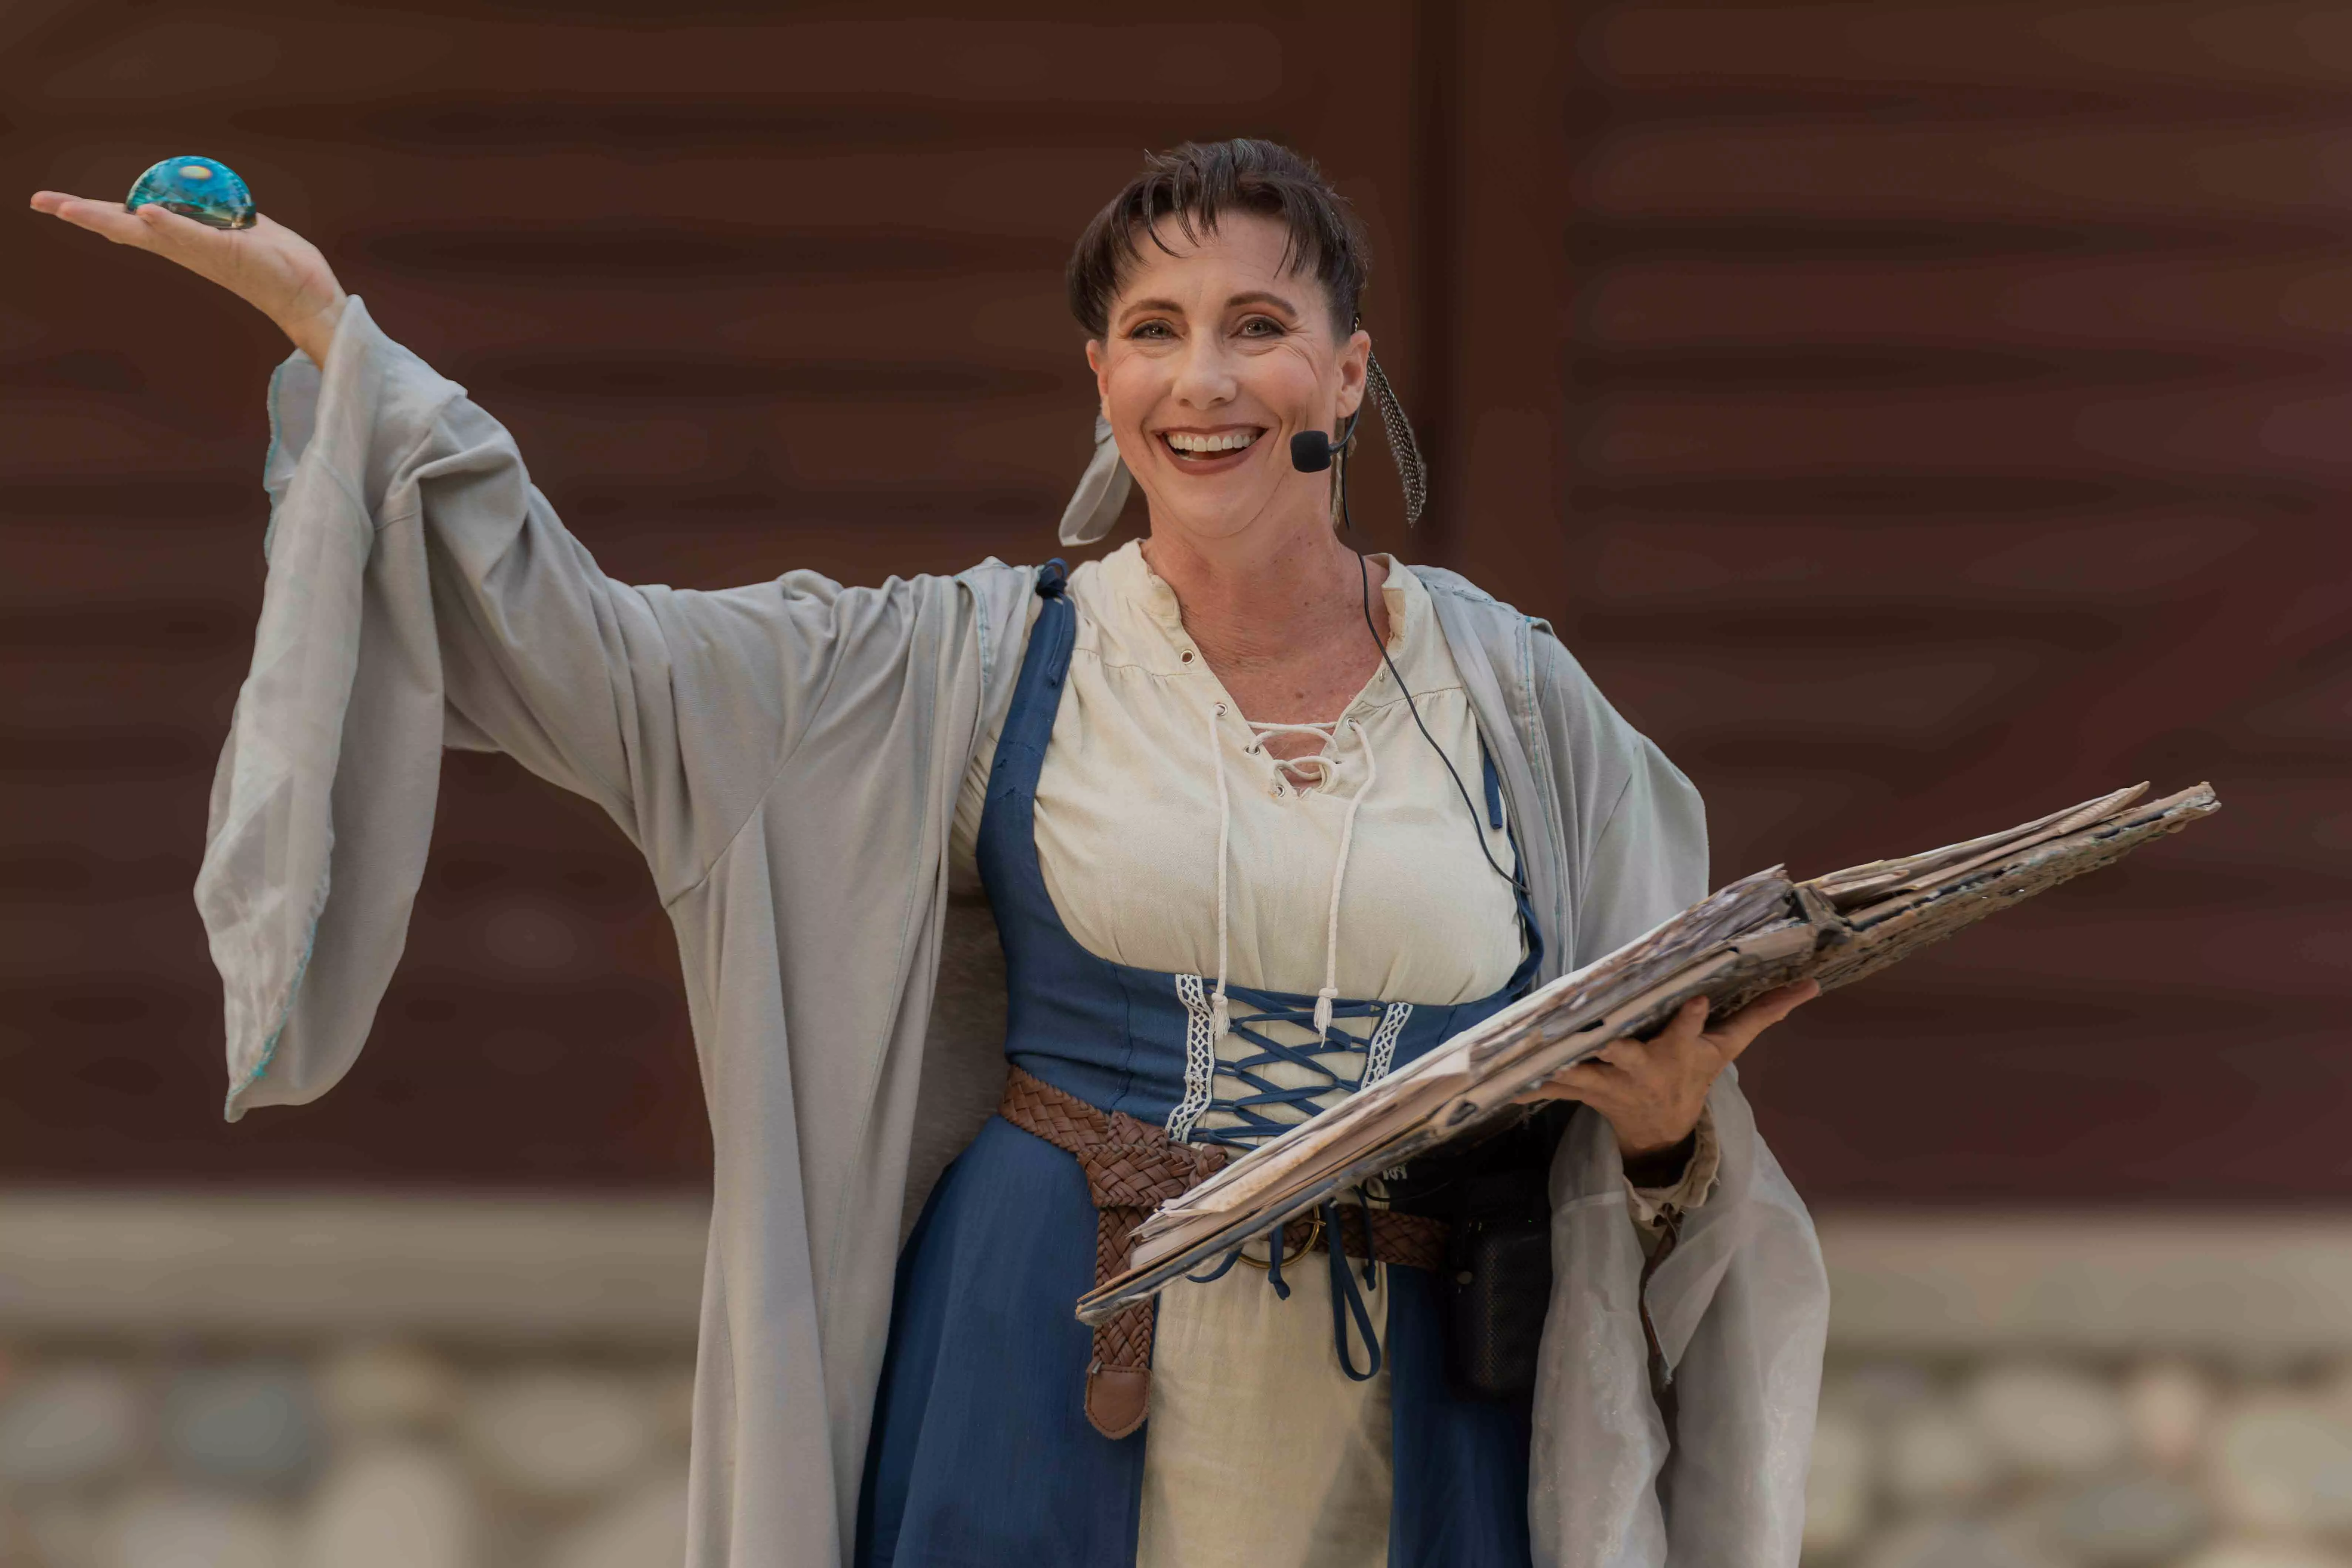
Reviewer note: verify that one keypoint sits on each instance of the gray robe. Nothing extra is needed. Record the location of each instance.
(786, 756)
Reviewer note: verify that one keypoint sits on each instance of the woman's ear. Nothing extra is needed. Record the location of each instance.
(1095, 363)
(1355, 355)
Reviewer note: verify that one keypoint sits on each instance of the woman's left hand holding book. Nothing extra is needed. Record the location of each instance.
(1653, 1091)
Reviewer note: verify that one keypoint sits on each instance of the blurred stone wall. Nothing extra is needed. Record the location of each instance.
(341, 1454)
(345, 1382)
(378, 1383)
(2037, 1458)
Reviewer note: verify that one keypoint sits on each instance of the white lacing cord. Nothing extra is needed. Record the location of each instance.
(1325, 768)
(1220, 1014)
(1330, 992)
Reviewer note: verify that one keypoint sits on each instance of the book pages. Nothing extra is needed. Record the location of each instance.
(1747, 938)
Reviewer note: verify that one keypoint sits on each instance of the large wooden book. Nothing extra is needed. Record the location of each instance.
(1759, 933)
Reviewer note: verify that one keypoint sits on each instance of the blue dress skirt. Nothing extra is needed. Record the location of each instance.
(981, 1455)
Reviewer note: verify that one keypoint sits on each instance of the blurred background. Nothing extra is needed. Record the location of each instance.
(1916, 416)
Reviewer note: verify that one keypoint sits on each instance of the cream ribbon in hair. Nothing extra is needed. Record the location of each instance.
(1102, 491)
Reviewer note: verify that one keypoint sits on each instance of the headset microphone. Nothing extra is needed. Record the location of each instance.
(1311, 451)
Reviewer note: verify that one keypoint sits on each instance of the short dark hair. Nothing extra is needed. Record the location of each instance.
(1193, 184)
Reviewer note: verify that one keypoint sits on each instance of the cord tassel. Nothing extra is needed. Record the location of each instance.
(1324, 998)
(1347, 1302)
(1220, 1013)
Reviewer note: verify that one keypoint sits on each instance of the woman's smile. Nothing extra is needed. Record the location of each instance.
(1210, 451)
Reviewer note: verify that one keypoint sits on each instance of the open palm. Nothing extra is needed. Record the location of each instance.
(269, 266)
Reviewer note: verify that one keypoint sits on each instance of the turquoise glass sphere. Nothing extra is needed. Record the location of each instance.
(201, 188)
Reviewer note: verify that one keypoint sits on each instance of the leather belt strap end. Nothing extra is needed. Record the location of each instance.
(1131, 1168)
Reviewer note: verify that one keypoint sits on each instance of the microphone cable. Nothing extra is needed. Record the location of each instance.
(1364, 577)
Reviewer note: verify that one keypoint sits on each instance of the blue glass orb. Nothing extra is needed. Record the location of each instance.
(200, 188)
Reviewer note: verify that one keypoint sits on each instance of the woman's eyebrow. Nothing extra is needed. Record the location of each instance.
(1141, 307)
(1261, 297)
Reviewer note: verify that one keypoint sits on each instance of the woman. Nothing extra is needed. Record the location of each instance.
(1259, 820)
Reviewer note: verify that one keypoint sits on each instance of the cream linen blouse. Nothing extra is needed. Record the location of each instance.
(1261, 1450)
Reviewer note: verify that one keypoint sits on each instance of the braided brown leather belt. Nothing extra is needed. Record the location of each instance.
(1132, 1167)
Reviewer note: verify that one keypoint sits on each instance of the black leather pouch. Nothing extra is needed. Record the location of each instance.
(1495, 1292)
(1496, 1289)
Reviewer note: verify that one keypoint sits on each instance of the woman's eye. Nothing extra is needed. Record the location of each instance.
(1151, 330)
(1261, 327)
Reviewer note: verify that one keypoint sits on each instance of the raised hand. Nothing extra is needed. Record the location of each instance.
(1652, 1090)
(269, 266)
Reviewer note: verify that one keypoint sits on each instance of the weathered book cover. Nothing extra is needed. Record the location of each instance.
(1761, 932)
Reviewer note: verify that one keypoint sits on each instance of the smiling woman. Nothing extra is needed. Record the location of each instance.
(1223, 281)
(1237, 773)
(1259, 821)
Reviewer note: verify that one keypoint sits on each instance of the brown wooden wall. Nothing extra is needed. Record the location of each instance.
(1957, 429)
(1915, 417)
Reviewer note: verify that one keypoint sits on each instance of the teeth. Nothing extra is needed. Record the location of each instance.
(1230, 441)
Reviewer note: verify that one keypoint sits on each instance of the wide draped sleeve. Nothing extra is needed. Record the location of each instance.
(421, 592)
(1741, 1303)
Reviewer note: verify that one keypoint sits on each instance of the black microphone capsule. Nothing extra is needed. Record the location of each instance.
(1310, 451)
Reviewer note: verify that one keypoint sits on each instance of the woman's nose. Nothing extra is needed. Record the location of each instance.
(1205, 375)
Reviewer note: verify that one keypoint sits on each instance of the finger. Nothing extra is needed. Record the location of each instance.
(106, 218)
(198, 246)
(1590, 1081)
(1736, 1033)
(174, 232)
(1774, 1006)
(1556, 1087)
(1630, 1057)
(1582, 1081)
(1682, 1030)
(1679, 1032)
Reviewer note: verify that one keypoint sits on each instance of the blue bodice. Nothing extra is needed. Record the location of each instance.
(1141, 1040)
(981, 1455)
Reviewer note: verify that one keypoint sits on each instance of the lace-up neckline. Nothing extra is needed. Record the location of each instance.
(1327, 766)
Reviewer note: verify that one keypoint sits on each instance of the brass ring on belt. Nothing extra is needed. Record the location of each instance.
(1313, 1236)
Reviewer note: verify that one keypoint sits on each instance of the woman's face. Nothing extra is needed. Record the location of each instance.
(1213, 358)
